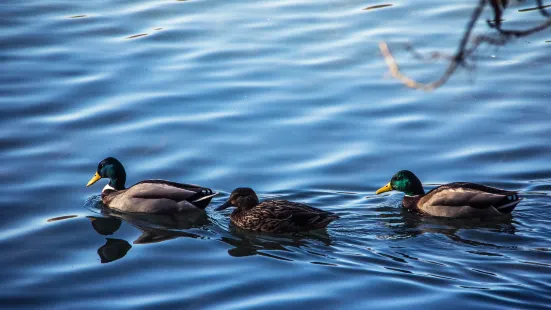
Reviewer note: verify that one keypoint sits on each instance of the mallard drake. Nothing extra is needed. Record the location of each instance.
(274, 216)
(149, 196)
(459, 199)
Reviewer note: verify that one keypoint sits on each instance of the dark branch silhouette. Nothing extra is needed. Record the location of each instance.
(465, 50)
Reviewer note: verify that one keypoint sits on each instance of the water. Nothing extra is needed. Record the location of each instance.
(290, 98)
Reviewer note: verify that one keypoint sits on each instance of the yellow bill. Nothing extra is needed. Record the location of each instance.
(386, 188)
(94, 179)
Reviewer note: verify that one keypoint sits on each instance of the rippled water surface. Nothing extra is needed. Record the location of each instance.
(293, 99)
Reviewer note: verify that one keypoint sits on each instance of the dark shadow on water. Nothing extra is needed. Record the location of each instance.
(113, 249)
(407, 224)
(161, 223)
(154, 228)
(105, 225)
(247, 243)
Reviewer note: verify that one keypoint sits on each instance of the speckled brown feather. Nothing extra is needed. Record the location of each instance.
(278, 216)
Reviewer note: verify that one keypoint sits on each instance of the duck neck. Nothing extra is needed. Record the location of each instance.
(247, 203)
(417, 191)
(117, 183)
(410, 202)
(237, 215)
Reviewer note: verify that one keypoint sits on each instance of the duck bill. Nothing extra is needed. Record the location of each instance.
(386, 188)
(226, 205)
(94, 179)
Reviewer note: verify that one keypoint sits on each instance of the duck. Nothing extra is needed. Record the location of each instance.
(275, 215)
(454, 200)
(148, 196)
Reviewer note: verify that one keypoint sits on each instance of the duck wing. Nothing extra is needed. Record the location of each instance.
(286, 216)
(160, 189)
(463, 199)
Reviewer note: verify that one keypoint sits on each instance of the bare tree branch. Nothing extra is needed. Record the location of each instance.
(464, 50)
(541, 8)
(409, 82)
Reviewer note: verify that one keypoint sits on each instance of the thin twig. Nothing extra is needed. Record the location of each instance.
(541, 8)
(409, 82)
(462, 52)
(454, 63)
(431, 56)
(527, 32)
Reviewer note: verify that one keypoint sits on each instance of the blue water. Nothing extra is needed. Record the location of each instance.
(293, 99)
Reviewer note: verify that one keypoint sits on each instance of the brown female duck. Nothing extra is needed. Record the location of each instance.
(459, 199)
(274, 216)
(149, 196)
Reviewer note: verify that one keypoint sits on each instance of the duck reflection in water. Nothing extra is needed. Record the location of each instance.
(113, 249)
(154, 227)
(408, 224)
(246, 243)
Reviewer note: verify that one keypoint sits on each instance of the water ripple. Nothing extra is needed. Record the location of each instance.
(290, 98)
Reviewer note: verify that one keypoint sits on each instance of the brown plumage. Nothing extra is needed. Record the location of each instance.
(274, 216)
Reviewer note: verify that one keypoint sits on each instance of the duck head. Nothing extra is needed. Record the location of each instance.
(243, 198)
(404, 181)
(112, 169)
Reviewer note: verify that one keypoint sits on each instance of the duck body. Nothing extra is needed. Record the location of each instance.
(274, 216)
(148, 196)
(455, 200)
(279, 216)
(462, 199)
(158, 196)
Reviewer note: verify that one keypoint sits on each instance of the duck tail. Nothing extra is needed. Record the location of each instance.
(205, 197)
(203, 202)
(332, 217)
(509, 205)
(326, 220)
